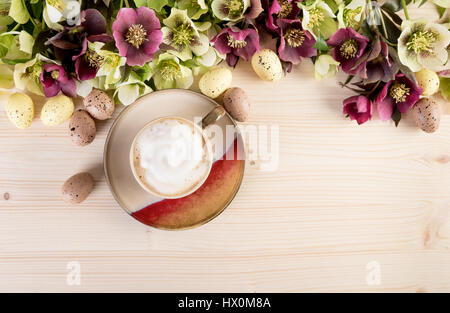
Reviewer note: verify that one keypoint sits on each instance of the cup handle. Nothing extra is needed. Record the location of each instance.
(213, 116)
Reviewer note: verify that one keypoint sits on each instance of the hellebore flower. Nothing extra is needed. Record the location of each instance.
(318, 18)
(295, 42)
(230, 10)
(195, 8)
(168, 72)
(111, 63)
(358, 108)
(68, 9)
(325, 66)
(27, 75)
(137, 34)
(401, 92)
(380, 66)
(71, 44)
(423, 44)
(236, 43)
(349, 47)
(351, 15)
(182, 35)
(131, 89)
(286, 9)
(55, 79)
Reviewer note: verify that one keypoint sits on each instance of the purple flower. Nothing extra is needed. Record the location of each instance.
(349, 47)
(55, 79)
(400, 92)
(236, 43)
(138, 34)
(380, 65)
(282, 9)
(295, 42)
(358, 108)
(71, 44)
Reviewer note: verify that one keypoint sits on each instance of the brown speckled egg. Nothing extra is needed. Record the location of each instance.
(77, 188)
(427, 115)
(82, 128)
(99, 104)
(236, 102)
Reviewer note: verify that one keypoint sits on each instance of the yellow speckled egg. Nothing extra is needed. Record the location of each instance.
(215, 82)
(267, 65)
(57, 110)
(20, 110)
(428, 81)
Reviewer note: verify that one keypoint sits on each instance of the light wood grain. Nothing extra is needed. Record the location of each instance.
(343, 196)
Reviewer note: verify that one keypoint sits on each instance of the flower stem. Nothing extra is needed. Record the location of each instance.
(127, 4)
(405, 9)
(15, 27)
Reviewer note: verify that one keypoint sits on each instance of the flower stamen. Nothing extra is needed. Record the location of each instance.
(286, 8)
(316, 17)
(294, 37)
(94, 59)
(234, 43)
(35, 70)
(234, 7)
(183, 34)
(349, 49)
(136, 35)
(169, 70)
(420, 41)
(399, 92)
(54, 75)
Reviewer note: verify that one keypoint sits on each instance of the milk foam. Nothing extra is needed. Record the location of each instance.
(171, 157)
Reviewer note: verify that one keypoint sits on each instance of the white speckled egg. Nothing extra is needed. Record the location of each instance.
(267, 65)
(215, 82)
(57, 110)
(20, 110)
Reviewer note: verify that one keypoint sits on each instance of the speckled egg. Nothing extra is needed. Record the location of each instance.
(427, 115)
(77, 188)
(57, 110)
(99, 104)
(215, 82)
(267, 65)
(20, 110)
(236, 102)
(82, 128)
(428, 81)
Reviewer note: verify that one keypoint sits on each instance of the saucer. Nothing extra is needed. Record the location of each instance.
(205, 203)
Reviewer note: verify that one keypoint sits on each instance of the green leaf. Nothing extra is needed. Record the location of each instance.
(332, 4)
(396, 117)
(422, 3)
(441, 11)
(393, 31)
(156, 5)
(321, 44)
(394, 5)
(19, 12)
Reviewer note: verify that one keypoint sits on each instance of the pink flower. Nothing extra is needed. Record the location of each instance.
(137, 34)
(285, 9)
(358, 108)
(236, 43)
(401, 93)
(349, 48)
(55, 79)
(295, 42)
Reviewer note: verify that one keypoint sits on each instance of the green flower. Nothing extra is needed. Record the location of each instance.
(112, 63)
(26, 75)
(182, 35)
(352, 14)
(325, 67)
(131, 89)
(168, 72)
(5, 19)
(318, 18)
(230, 10)
(195, 8)
(424, 44)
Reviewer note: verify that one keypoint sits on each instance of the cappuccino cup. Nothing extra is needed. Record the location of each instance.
(171, 157)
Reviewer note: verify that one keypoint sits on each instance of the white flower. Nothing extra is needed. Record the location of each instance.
(318, 18)
(352, 14)
(424, 44)
(325, 67)
(67, 9)
(130, 90)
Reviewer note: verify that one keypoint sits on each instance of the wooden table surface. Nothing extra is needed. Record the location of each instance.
(348, 209)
